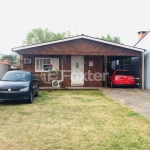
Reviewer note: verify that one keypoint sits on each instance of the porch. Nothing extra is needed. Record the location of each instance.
(70, 88)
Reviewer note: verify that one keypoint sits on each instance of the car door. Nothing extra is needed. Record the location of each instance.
(34, 83)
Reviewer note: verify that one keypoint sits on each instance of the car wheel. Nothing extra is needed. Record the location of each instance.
(37, 93)
(30, 100)
(111, 84)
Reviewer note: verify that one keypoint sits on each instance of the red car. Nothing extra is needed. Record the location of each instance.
(121, 78)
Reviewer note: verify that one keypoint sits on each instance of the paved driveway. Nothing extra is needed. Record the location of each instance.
(136, 99)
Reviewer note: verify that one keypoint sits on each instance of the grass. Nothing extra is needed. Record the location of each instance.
(72, 120)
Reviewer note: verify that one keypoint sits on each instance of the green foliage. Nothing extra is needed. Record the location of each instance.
(14, 58)
(39, 35)
(111, 39)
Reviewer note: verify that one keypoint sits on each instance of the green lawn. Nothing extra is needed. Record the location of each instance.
(72, 120)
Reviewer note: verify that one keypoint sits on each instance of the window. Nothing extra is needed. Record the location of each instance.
(42, 64)
(27, 61)
(55, 62)
(77, 65)
(125, 73)
(46, 63)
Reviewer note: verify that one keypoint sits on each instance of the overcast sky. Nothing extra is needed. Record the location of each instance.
(122, 18)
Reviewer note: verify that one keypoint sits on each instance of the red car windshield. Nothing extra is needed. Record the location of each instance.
(127, 73)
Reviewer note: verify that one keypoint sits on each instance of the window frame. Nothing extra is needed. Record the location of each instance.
(42, 58)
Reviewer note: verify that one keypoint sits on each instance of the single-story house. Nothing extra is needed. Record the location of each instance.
(144, 43)
(84, 61)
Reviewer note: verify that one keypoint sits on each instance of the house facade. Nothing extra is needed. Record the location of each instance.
(82, 61)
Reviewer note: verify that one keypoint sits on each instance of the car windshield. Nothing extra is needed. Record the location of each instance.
(16, 76)
(123, 73)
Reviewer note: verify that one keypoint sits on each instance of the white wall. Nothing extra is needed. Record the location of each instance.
(3, 69)
(147, 69)
(145, 44)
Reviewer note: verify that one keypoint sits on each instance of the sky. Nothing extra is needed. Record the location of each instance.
(121, 18)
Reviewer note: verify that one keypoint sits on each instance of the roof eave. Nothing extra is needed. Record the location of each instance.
(74, 38)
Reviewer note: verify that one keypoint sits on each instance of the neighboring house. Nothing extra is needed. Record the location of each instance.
(144, 43)
(84, 60)
(4, 67)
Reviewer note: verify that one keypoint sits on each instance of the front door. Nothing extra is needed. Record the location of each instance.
(77, 70)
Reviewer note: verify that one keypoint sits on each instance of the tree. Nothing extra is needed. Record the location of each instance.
(13, 58)
(39, 35)
(114, 39)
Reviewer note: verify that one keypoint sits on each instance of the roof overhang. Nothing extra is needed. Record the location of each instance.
(75, 38)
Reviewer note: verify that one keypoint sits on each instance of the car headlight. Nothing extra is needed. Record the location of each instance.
(24, 89)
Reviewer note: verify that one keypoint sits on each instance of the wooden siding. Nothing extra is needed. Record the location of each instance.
(97, 67)
(31, 67)
(80, 47)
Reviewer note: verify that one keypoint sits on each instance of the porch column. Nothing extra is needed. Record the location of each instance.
(21, 62)
(121, 64)
(64, 68)
(105, 71)
(129, 63)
